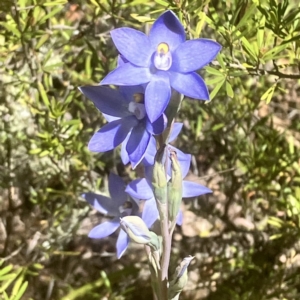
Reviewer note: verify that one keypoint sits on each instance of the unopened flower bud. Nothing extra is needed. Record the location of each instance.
(174, 188)
(159, 179)
(180, 278)
(138, 231)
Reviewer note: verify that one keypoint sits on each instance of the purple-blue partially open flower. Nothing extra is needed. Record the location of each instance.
(151, 150)
(141, 189)
(118, 206)
(162, 60)
(124, 109)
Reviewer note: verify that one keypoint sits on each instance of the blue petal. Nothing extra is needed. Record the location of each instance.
(158, 126)
(122, 243)
(121, 60)
(149, 174)
(150, 153)
(116, 187)
(179, 218)
(194, 54)
(107, 100)
(109, 118)
(103, 204)
(139, 189)
(124, 154)
(167, 29)
(133, 45)
(175, 131)
(105, 229)
(191, 85)
(137, 145)
(193, 189)
(112, 134)
(157, 97)
(127, 74)
(150, 212)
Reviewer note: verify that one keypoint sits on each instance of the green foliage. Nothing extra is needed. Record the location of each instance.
(13, 280)
(245, 143)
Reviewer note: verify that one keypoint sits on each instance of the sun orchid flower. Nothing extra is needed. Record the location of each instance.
(124, 109)
(141, 189)
(148, 159)
(117, 206)
(162, 60)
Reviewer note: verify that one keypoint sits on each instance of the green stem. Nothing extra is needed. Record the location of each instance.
(162, 201)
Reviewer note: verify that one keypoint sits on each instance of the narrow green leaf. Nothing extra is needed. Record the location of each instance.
(216, 89)
(275, 236)
(218, 126)
(271, 53)
(43, 94)
(17, 286)
(52, 13)
(8, 277)
(247, 15)
(294, 38)
(83, 290)
(221, 61)
(6, 270)
(249, 48)
(44, 153)
(276, 222)
(21, 291)
(229, 90)
(267, 96)
(94, 2)
(50, 68)
(47, 57)
(5, 296)
(141, 19)
(213, 71)
(42, 41)
(55, 2)
(215, 80)
(7, 281)
(35, 151)
(163, 3)
(88, 69)
(261, 32)
(200, 24)
(11, 28)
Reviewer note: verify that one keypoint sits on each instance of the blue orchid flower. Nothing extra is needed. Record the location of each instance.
(142, 189)
(162, 60)
(128, 123)
(118, 206)
(148, 159)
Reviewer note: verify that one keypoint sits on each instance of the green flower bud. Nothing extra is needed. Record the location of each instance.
(180, 278)
(159, 178)
(138, 232)
(174, 189)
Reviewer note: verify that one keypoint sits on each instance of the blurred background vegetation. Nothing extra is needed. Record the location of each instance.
(245, 146)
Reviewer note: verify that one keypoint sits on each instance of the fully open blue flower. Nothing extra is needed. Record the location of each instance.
(118, 206)
(141, 189)
(162, 60)
(128, 123)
